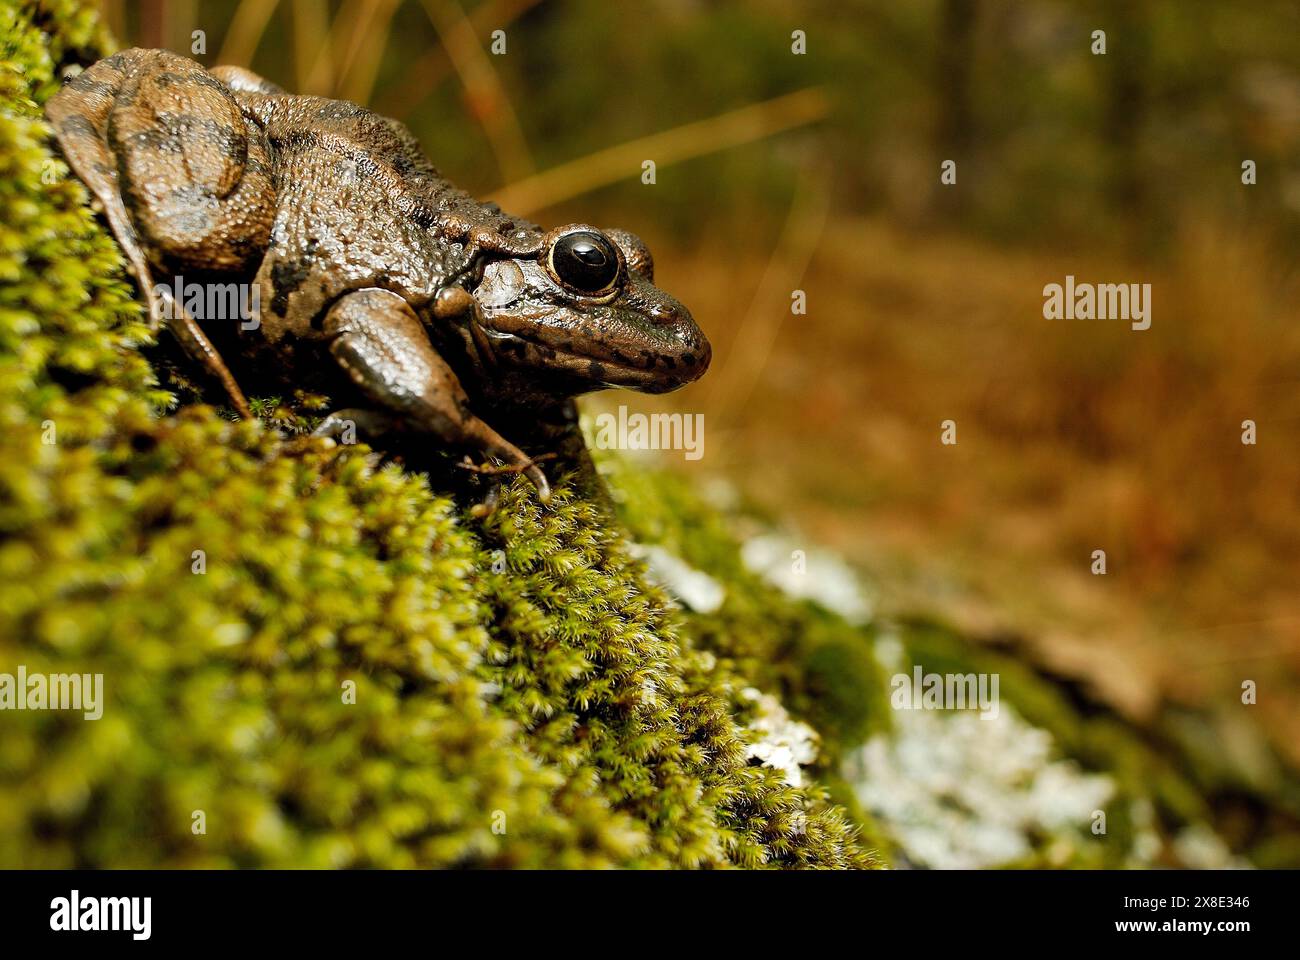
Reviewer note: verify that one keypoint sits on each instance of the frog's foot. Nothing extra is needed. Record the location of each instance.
(528, 467)
(496, 484)
(378, 339)
(496, 469)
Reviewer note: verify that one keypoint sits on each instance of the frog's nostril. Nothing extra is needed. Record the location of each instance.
(663, 315)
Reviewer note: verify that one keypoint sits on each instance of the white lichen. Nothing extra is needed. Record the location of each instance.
(960, 790)
(1200, 848)
(820, 576)
(777, 739)
(691, 588)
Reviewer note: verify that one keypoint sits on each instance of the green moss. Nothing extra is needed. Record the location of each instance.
(352, 679)
(820, 666)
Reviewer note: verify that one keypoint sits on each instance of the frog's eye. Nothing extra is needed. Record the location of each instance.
(585, 261)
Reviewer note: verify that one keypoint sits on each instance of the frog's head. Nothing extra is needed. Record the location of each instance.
(586, 309)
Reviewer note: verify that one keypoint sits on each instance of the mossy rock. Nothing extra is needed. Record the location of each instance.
(324, 654)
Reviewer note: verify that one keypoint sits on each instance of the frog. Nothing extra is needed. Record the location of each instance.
(373, 274)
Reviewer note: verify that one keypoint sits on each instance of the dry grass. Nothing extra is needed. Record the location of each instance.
(699, 138)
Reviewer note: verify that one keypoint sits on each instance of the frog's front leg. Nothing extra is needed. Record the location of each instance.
(378, 339)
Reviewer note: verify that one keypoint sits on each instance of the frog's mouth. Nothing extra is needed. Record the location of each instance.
(595, 371)
(659, 364)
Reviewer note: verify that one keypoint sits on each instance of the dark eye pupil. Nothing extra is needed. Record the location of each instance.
(589, 254)
(585, 261)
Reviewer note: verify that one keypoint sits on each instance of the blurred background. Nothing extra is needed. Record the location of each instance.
(820, 172)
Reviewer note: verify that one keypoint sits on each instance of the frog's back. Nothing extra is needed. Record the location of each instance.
(318, 197)
(358, 205)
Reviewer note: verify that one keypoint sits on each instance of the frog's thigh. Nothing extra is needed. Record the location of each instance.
(195, 173)
(379, 340)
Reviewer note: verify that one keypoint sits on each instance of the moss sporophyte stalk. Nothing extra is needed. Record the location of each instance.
(349, 681)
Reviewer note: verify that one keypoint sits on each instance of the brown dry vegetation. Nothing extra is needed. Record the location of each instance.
(1073, 436)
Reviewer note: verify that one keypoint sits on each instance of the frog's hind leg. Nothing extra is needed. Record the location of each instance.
(79, 114)
(197, 183)
(195, 171)
(377, 338)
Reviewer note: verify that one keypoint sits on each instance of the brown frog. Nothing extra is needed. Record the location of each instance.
(365, 260)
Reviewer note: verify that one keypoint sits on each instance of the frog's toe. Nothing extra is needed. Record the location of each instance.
(516, 463)
(535, 474)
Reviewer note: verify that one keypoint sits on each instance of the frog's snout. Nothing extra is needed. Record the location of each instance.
(672, 351)
(674, 347)
(686, 362)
